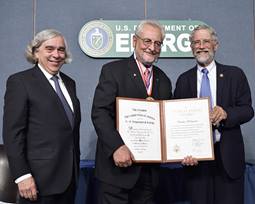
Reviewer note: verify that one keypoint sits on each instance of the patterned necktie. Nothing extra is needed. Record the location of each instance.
(65, 104)
(205, 91)
(147, 78)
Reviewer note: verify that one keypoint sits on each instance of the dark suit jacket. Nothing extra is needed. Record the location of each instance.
(120, 78)
(233, 95)
(37, 134)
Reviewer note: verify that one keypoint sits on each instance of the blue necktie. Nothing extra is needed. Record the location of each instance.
(205, 91)
(65, 104)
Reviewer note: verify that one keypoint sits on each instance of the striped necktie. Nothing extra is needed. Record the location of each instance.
(65, 104)
(147, 78)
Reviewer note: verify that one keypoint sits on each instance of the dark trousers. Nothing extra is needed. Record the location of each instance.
(67, 197)
(141, 193)
(208, 183)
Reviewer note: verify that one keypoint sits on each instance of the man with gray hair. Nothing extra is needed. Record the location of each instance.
(41, 124)
(120, 180)
(220, 181)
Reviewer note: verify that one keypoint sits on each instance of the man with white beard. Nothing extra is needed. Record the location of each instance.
(220, 181)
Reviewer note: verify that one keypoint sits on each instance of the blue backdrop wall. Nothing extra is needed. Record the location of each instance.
(233, 20)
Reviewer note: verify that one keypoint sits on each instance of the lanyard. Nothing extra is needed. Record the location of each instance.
(148, 86)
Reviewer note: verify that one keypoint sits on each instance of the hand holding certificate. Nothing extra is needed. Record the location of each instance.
(165, 131)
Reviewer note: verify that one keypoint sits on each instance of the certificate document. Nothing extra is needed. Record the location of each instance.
(167, 130)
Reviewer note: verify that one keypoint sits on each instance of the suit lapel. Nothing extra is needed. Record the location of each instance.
(42, 81)
(219, 78)
(155, 84)
(136, 78)
(193, 82)
(49, 91)
(220, 82)
(71, 92)
(68, 87)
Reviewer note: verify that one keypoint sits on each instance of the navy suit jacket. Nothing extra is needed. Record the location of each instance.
(120, 78)
(233, 95)
(37, 134)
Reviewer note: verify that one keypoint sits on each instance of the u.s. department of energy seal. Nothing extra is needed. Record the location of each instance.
(177, 149)
(95, 38)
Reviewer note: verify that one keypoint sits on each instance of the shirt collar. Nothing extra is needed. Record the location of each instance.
(47, 74)
(209, 67)
(141, 65)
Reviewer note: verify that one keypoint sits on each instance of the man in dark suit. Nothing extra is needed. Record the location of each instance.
(121, 181)
(220, 181)
(40, 132)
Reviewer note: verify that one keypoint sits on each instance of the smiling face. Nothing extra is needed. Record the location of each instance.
(51, 54)
(147, 54)
(203, 47)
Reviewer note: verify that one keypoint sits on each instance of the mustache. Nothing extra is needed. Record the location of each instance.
(152, 52)
(198, 51)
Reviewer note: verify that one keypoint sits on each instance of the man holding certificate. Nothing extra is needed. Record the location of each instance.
(120, 180)
(220, 181)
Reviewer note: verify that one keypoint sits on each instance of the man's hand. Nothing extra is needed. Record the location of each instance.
(189, 161)
(27, 189)
(217, 115)
(123, 157)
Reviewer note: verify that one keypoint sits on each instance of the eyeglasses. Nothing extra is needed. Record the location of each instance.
(205, 42)
(147, 42)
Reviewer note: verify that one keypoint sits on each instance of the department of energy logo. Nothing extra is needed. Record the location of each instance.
(95, 38)
(113, 38)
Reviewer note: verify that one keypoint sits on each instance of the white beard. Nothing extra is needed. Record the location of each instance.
(205, 59)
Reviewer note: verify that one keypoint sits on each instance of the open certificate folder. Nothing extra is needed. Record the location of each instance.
(167, 130)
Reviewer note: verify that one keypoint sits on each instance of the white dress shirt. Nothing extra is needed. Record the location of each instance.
(212, 75)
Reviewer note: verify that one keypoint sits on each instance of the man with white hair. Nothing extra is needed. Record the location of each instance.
(41, 124)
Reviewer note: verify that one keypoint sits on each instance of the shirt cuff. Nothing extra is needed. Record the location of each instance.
(22, 178)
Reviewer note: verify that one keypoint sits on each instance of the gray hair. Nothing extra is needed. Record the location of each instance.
(204, 27)
(39, 39)
(152, 23)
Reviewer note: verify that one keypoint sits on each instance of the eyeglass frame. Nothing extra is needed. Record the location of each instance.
(205, 42)
(157, 44)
